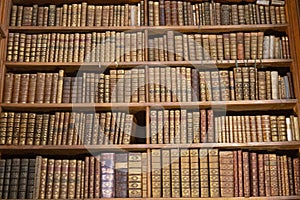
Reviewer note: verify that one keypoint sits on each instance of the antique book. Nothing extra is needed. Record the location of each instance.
(226, 173)
(185, 173)
(7, 177)
(2, 176)
(135, 175)
(156, 173)
(166, 173)
(14, 178)
(121, 175)
(50, 178)
(175, 173)
(107, 175)
(204, 173)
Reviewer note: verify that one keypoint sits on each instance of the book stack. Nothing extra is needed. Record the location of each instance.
(230, 173)
(78, 15)
(182, 13)
(186, 127)
(66, 128)
(109, 46)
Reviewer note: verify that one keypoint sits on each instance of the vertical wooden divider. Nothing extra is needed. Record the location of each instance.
(294, 41)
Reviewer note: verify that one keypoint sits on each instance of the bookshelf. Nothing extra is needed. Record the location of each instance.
(145, 147)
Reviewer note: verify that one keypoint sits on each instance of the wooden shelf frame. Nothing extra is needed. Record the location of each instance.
(2, 31)
(230, 106)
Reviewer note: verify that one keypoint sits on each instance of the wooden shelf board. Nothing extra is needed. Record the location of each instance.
(236, 198)
(85, 149)
(220, 198)
(251, 145)
(245, 105)
(96, 66)
(154, 29)
(67, 149)
(76, 107)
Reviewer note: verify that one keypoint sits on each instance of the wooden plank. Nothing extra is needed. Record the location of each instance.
(2, 31)
(207, 64)
(155, 29)
(245, 105)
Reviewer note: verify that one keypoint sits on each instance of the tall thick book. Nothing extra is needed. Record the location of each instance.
(121, 175)
(156, 172)
(185, 173)
(226, 173)
(214, 173)
(107, 175)
(175, 173)
(135, 175)
(166, 173)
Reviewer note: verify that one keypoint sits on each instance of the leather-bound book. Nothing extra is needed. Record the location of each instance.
(226, 173)
(49, 178)
(215, 86)
(16, 88)
(195, 172)
(233, 46)
(30, 129)
(2, 176)
(7, 178)
(14, 178)
(156, 173)
(8, 90)
(30, 179)
(43, 178)
(214, 173)
(56, 178)
(135, 175)
(166, 173)
(107, 175)
(185, 173)
(224, 85)
(121, 175)
(246, 174)
(23, 128)
(204, 173)
(254, 174)
(175, 173)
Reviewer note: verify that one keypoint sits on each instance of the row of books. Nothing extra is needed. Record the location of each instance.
(78, 15)
(159, 13)
(173, 46)
(260, 128)
(166, 127)
(100, 176)
(174, 173)
(65, 128)
(213, 173)
(164, 12)
(118, 86)
(184, 84)
(188, 126)
(106, 46)
(166, 84)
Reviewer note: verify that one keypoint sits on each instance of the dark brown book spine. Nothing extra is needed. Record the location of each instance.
(7, 178)
(121, 175)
